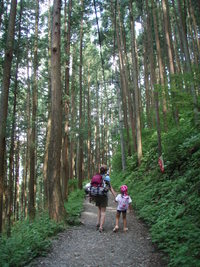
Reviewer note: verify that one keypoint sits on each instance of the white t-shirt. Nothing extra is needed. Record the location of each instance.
(123, 202)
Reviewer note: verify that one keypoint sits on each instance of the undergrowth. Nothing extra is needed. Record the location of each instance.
(170, 202)
(31, 239)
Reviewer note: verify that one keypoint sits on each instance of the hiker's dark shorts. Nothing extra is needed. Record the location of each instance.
(101, 201)
(121, 211)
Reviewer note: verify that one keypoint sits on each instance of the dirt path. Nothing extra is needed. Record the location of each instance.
(83, 246)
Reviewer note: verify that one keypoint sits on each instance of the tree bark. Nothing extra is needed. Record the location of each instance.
(153, 78)
(160, 64)
(136, 87)
(170, 53)
(89, 173)
(80, 165)
(4, 98)
(1, 11)
(65, 148)
(73, 115)
(56, 204)
(33, 141)
(12, 142)
(49, 110)
(183, 32)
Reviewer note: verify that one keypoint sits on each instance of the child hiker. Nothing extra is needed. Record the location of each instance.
(123, 201)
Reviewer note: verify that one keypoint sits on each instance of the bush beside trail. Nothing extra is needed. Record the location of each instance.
(168, 202)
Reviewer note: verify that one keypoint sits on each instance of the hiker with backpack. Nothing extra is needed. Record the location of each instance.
(124, 203)
(100, 186)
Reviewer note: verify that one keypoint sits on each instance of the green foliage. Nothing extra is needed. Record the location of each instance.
(28, 240)
(31, 239)
(74, 207)
(170, 202)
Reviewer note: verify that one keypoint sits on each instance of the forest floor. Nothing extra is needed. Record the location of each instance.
(84, 246)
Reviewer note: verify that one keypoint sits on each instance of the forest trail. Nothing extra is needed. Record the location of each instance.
(84, 246)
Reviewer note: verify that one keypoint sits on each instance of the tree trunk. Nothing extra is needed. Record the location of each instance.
(33, 141)
(80, 166)
(49, 115)
(146, 82)
(73, 116)
(160, 64)
(153, 78)
(97, 130)
(1, 11)
(194, 27)
(56, 204)
(125, 76)
(89, 173)
(4, 98)
(135, 82)
(11, 156)
(170, 49)
(65, 148)
(16, 202)
(183, 32)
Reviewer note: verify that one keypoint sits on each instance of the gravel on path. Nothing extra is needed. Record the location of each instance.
(84, 246)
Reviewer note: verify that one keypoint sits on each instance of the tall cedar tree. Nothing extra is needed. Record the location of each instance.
(55, 200)
(4, 99)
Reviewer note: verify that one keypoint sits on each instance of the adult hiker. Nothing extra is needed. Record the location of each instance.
(100, 186)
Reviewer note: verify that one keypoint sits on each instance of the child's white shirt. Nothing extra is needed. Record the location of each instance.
(118, 199)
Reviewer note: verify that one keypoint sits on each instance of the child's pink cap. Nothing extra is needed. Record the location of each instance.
(124, 189)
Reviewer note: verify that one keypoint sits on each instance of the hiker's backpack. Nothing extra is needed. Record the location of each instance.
(123, 202)
(98, 187)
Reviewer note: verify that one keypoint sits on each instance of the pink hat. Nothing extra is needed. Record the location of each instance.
(124, 189)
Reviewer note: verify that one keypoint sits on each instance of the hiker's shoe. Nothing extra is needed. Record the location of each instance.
(125, 230)
(116, 228)
(97, 226)
(100, 229)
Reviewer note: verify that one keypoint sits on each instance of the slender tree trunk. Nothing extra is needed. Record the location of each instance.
(153, 78)
(33, 141)
(1, 11)
(28, 138)
(97, 130)
(146, 82)
(16, 205)
(89, 127)
(11, 156)
(188, 61)
(73, 115)
(56, 204)
(4, 98)
(65, 148)
(46, 190)
(135, 82)
(121, 129)
(170, 49)
(80, 166)
(125, 76)
(194, 28)
(160, 64)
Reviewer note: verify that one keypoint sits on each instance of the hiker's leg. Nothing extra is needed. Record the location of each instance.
(103, 215)
(98, 216)
(117, 219)
(124, 221)
(116, 222)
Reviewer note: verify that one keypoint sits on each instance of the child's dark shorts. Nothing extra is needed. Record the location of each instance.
(101, 201)
(123, 211)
